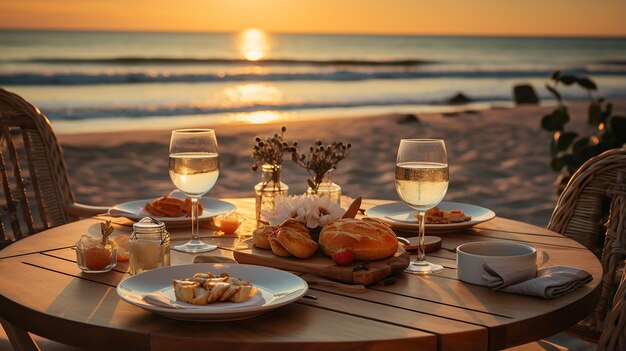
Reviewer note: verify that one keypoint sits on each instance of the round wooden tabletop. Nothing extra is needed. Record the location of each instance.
(42, 290)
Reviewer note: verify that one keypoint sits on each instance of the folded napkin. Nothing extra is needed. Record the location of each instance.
(116, 212)
(161, 300)
(548, 283)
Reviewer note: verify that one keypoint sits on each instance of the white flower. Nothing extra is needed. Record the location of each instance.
(328, 211)
(311, 210)
(284, 207)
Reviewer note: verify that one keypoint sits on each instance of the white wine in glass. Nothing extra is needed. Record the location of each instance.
(194, 168)
(422, 182)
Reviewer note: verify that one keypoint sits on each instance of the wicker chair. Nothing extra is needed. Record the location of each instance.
(597, 188)
(37, 192)
(614, 335)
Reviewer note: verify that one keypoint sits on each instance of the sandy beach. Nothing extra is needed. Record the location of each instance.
(498, 158)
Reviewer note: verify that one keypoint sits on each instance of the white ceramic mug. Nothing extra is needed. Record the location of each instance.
(471, 257)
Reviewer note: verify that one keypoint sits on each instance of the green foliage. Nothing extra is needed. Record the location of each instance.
(569, 150)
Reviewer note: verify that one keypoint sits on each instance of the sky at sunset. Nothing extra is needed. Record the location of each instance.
(464, 17)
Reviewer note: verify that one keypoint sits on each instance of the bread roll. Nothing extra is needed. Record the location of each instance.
(260, 237)
(277, 247)
(370, 239)
(296, 239)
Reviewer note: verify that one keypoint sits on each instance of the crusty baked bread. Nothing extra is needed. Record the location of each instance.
(185, 290)
(171, 207)
(369, 238)
(296, 238)
(277, 247)
(206, 288)
(244, 293)
(437, 216)
(260, 237)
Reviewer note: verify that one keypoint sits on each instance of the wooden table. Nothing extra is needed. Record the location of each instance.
(42, 290)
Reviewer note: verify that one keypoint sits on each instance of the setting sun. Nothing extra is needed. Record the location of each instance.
(253, 44)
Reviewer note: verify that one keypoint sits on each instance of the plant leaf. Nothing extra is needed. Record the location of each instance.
(580, 145)
(595, 114)
(618, 126)
(586, 83)
(554, 92)
(572, 162)
(556, 120)
(568, 160)
(557, 164)
(608, 111)
(565, 140)
(567, 80)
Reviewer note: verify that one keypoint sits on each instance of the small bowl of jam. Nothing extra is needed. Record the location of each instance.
(228, 223)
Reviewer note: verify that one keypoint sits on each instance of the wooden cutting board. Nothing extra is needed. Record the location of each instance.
(364, 272)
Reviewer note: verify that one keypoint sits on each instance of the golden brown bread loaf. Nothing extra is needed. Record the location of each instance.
(370, 239)
(260, 237)
(296, 239)
(277, 247)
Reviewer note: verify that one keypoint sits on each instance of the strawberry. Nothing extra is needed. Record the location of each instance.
(343, 257)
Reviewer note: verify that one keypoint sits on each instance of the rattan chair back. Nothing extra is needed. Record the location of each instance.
(614, 335)
(592, 204)
(34, 174)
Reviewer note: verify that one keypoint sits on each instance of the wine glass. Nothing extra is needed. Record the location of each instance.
(194, 168)
(422, 182)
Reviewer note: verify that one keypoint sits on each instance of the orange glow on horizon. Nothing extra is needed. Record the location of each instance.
(460, 17)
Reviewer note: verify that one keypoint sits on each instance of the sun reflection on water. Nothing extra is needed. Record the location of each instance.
(253, 96)
(253, 44)
(253, 93)
(260, 117)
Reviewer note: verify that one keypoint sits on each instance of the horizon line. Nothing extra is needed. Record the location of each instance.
(182, 31)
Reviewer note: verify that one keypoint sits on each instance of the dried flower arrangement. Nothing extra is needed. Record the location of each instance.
(269, 153)
(321, 159)
(106, 229)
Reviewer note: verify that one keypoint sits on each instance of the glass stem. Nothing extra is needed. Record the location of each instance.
(421, 254)
(195, 223)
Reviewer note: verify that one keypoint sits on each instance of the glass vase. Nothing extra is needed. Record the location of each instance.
(268, 189)
(328, 188)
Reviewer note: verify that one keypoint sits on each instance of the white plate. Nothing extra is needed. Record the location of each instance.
(135, 210)
(400, 215)
(276, 288)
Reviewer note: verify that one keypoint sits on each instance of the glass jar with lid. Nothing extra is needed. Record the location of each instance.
(149, 245)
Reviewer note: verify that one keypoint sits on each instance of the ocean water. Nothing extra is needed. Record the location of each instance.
(84, 81)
